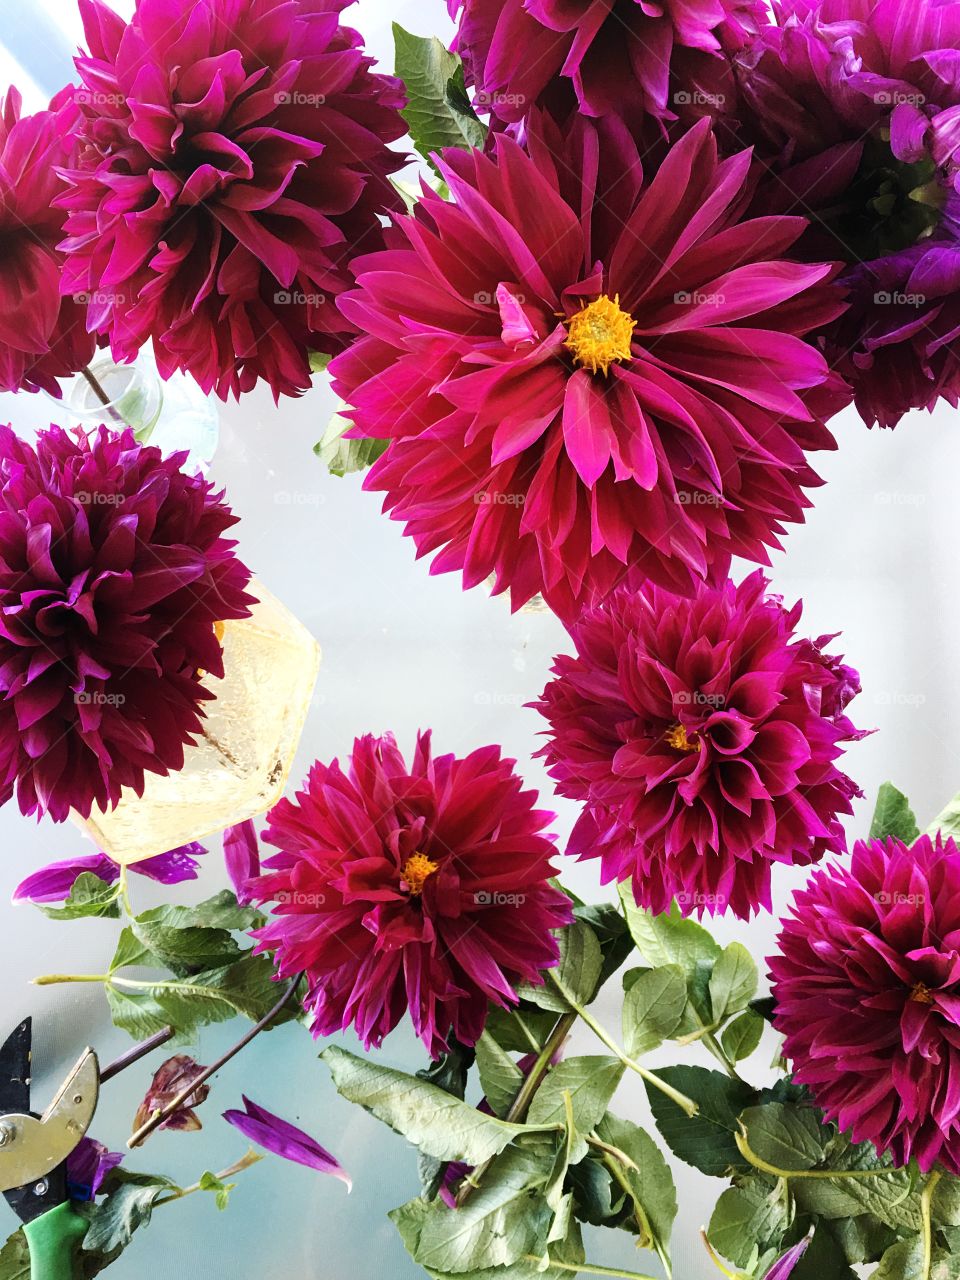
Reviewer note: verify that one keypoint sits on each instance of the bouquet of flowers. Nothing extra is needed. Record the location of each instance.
(587, 358)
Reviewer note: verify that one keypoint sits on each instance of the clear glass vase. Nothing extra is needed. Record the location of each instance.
(239, 767)
(173, 414)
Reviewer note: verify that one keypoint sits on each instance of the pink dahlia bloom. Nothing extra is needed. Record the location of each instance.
(42, 337)
(865, 987)
(853, 112)
(421, 888)
(583, 373)
(622, 57)
(701, 738)
(234, 161)
(114, 573)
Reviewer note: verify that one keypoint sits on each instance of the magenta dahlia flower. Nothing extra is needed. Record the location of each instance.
(701, 738)
(852, 111)
(583, 373)
(42, 336)
(865, 985)
(421, 888)
(234, 161)
(114, 576)
(622, 57)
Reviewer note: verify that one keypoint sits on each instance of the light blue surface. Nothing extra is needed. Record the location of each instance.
(402, 650)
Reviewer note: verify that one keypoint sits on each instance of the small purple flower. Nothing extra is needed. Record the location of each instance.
(172, 1077)
(54, 882)
(283, 1139)
(242, 857)
(784, 1265)
(87, 1166)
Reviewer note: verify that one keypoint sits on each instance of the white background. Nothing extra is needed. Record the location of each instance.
(877, 560)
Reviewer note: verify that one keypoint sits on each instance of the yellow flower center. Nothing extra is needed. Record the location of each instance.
(416, 871)
(600, 334)
(677, 738)
(921, 993)
(219, 631)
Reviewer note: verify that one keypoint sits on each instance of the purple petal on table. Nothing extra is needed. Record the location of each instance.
(53, 883)
(283, 1139)
(784, 1265)
(172, 867)
(242, 857)
(87, 1166)
(170, 1079)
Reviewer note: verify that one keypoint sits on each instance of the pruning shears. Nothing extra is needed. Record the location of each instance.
(34, 1151)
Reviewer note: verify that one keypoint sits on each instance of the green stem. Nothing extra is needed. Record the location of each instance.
(49, 979)
(525, 1095)
(758, 1163)
(123, 890)
(614, 1153)
(682, 1101)
(711, 1042)
(251, 1158)
(586, 1269)
(926, 1226)
(716, 1260)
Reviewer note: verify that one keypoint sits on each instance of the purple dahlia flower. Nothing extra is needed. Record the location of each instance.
(88, 1165)
(421, 887)
(43, 337)
(53, 883)
(865, 984)
(854, 112)
(114, 573)
(701, 738)
(286, 1140)
(583, 373)
(622, 57)
(234, 160)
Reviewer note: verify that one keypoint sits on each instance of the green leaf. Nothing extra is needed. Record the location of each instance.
(650, 1185)
(210, 1182)
(893, 816)
(222, 911)
(246, 987)
(132, 953)
(653, 1008)
(135, 1012)
(902, 1261)
(125, 1206)
(342, 457)
(523, 1030)
(733, 981)
(668, 938)
(90, 896)
(786, 1137)
(437, 113)
(747, 1218)
(500, 1076)
(504, 1219)
(590, 1081)
(578, 971)
(612, 934)
(319, 361)
(15, 1258)
(947, 821)
(741, 1036)
(893, 1198)
(187, 952)
(706, 1140)
(441, 1125)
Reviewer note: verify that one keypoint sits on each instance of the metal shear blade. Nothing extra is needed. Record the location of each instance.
(33, 1148)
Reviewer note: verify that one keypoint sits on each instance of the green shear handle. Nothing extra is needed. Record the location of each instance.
(54, 1238)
